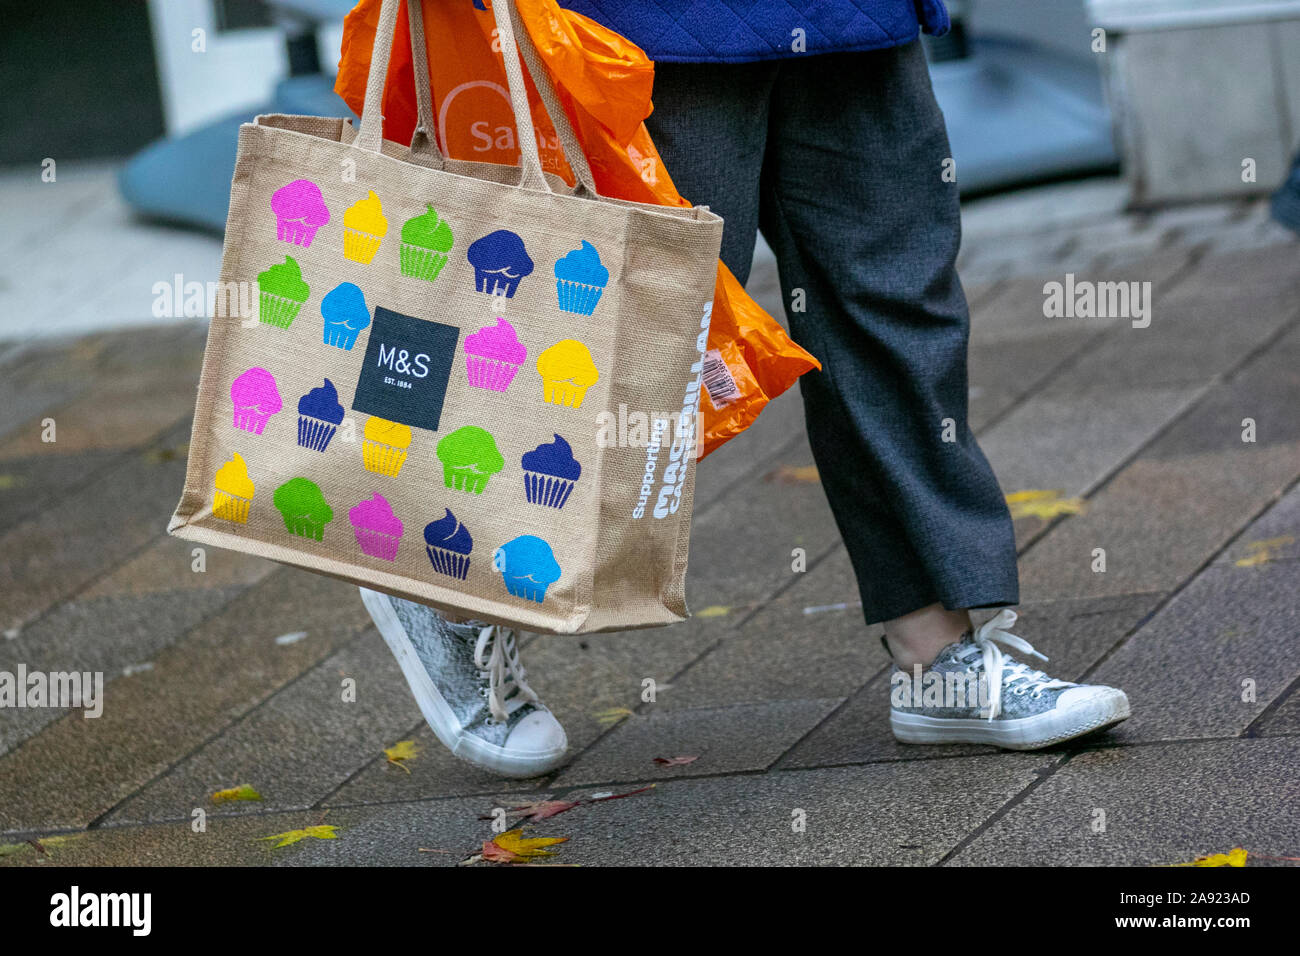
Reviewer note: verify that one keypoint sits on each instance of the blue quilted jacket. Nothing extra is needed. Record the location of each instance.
(737, 31)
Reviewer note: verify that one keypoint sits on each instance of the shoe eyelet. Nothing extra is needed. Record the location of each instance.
(489, 722)
(1019, 693)
(1036, 695)
(483, 692)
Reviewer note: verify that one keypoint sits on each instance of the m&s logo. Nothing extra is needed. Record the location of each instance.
(399, 360)
(407, 368)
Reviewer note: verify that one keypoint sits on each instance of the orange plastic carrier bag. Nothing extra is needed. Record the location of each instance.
(604, 83)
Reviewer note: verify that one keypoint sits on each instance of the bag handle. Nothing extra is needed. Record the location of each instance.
(423, 146)
(509, 25)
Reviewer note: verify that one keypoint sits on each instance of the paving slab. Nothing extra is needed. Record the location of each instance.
(57, 552)
(1274, 536)
(1004, 372)
(777, 426)
(170, 565)
(1074, 634)
(1271, 268)
(738, 551)
(1186, 495)
(118, 623)
(1193, 337)
(117, 636)
(1213, 658)
(131, 389)
(366, 836)
(34, 484)
(296, 747)
(1063, 443)
(724, 739)
(1283, 720)
(78, 769)
(1162, 804)
(1017, 310)
(897, 814)
(810, 643)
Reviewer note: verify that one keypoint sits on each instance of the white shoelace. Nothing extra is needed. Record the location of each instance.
(1001, 669)
(504, 672)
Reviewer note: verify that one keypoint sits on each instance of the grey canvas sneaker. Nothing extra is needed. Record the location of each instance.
(469, 683)
(973, 693)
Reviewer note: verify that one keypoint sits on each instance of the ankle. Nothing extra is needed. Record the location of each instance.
(918, 637)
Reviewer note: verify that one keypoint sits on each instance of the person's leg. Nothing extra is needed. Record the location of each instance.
(856, 210)
(710, 127)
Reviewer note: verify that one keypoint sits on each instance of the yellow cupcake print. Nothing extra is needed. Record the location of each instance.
(234, 491)
(364, 227)
(567, 372)
(385, 446)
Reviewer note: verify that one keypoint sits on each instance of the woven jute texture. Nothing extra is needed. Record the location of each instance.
(560, 333)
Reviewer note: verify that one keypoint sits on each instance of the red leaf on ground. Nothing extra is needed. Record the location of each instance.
(675, 761)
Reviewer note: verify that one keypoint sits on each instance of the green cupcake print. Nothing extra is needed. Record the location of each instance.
(426, 240)
(469, 458)
(303, 507)
(282, 292)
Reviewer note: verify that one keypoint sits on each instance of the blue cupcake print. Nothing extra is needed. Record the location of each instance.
(319, 416)
(550, 471)
(527, 567)
(580, 278)
(500, 261)
(449, 544)
(345, 313)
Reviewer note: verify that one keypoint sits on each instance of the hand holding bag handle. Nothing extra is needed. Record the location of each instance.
(423, 148)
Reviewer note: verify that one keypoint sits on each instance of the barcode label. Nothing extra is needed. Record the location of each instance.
(718, 382)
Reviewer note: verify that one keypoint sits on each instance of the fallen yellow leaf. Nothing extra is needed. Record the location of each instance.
(39, 845)
(1035, 503)
(324, 831)
(792, 475)
(714, 610)
(513, 845)
(1234, 857)
(1264, 551)
(401, 751)
(242, 792)
(607, 718)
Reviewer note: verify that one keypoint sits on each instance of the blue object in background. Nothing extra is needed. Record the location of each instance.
(1018, 112)
(1285, 205)
(186, 179)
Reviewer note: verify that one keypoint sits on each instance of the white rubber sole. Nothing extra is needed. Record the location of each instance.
(1026, 733)
(439, 715)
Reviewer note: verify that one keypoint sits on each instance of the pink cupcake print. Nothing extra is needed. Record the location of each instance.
(299, 211)
(256, 399)
(493, 355)
(378, 530)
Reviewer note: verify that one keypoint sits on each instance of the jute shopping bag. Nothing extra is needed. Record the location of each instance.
(433, 399)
